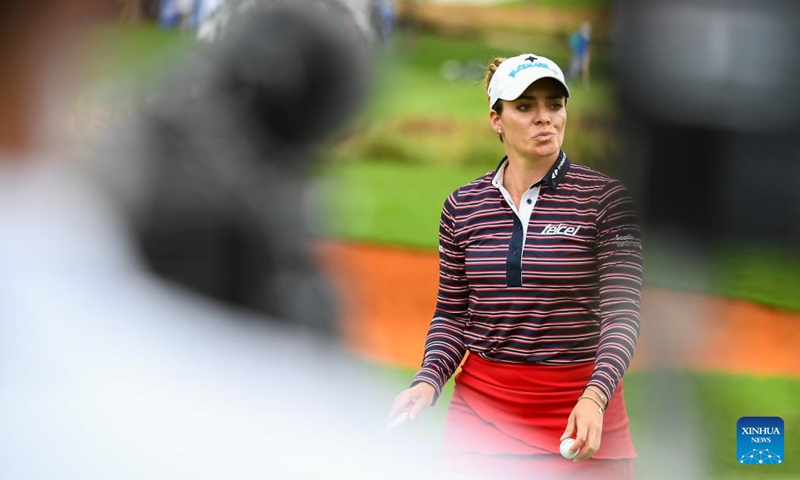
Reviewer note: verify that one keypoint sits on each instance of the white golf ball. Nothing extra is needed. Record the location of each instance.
(397, 421)
(564, 448)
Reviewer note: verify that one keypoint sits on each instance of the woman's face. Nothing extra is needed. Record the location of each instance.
(533, 124)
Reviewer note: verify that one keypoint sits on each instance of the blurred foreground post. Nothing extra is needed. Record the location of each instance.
(709, 98)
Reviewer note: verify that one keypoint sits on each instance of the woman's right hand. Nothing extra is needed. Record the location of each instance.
(414, 400)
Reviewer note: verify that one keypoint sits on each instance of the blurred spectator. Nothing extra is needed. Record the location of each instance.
(384, 19)
(169, 15)
(180, 13)
(713, 164)
(579, 45)
(246, 240)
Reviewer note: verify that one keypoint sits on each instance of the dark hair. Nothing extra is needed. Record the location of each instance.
(490, 69)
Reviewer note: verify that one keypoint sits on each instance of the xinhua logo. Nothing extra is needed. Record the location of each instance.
(759, 440)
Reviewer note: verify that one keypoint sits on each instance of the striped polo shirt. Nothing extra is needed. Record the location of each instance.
(562, 288)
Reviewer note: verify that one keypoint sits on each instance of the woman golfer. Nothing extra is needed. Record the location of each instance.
(539, 287)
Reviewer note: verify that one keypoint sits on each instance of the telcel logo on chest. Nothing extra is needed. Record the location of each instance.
(560, 229)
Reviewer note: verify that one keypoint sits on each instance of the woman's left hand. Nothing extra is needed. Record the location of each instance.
(587, 419)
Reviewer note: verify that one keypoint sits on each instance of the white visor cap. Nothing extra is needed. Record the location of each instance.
(516, 74)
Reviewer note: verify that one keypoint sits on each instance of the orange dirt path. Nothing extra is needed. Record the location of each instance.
(388, 296)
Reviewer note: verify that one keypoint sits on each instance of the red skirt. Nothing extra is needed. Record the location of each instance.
(506, 420)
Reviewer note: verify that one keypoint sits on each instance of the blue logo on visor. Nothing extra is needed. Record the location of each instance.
(529, 65)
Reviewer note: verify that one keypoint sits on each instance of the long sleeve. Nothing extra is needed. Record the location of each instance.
(619, 259)
(444, 344)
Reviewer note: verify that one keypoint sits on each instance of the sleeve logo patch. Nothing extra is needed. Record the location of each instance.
(626, 241)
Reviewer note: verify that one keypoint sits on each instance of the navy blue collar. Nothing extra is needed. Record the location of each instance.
(553, 177)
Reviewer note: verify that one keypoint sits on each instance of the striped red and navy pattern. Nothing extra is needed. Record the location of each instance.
(567, 293)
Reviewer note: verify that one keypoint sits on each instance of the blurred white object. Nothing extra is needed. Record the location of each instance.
(400, 419)
(110, 373)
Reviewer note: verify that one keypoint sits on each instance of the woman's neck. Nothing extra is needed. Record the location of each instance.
(521, 173)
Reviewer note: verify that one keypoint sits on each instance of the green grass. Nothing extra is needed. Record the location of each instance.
(409, 82)
(418, 116)
(429, 50)
(144, 51)
(392, 203)
(760, 273)
(120, 67)
(764, 274)
(714, 402)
